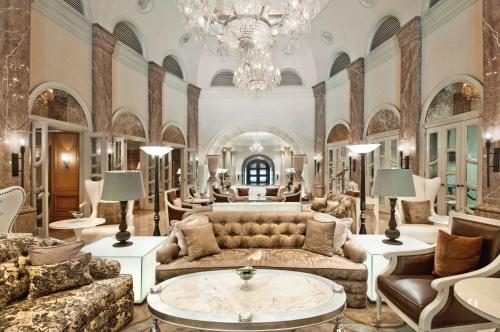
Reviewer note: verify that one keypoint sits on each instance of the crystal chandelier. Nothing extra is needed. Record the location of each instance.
(256, 147)
(256, 72)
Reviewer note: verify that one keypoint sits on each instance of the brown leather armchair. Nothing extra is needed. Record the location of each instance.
(174, 212)
(426, 302)
(222, 198)
(295, 196)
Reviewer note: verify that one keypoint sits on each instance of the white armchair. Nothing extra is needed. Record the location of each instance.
(425, 189)
(94, 191)
(11, 203)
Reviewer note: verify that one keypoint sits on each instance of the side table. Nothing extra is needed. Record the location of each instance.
(77, 225)
(375, 261)
(139, 259)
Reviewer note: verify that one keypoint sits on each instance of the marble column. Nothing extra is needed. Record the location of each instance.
(410, 42)
(356, 72)
(319, 135)
(15, 30)
(103, 46)
(193, 97)
(156, 74)
(490, 205)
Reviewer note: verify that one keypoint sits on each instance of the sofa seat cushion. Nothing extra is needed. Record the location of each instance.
(72, 310)
(409, 293)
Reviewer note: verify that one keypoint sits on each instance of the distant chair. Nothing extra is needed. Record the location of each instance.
(174, 212)
(222, 198)
(11, 203)
(94, 191)
(295, 195)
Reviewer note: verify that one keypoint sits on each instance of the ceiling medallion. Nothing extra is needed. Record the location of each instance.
(368, 3)
(326, 37)
(185, 39)
(245, 25)
(144, 6)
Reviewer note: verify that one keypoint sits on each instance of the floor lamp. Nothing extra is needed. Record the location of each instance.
(157, 152)
(362, 150)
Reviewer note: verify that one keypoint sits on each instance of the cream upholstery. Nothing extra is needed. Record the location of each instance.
(11, 203)
(94, 191)
(425, 189)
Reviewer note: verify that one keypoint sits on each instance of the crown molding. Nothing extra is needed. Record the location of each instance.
(337, 80)
(131, 58)
(63, 15)
(443, 12)
(175, 82)
(289, 92)
(382, 54)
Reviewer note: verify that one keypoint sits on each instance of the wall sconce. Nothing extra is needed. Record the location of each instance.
(15, 158)
(496, 158)
(352, 164)
(317, 163)
(404, 161)
(65, 160)
(110, 154)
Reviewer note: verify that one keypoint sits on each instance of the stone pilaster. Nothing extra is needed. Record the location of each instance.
(491, 114)
(193, 96)
(356, 72)
(319, 135)
(103, 46)
(410, 43)
(156, 73)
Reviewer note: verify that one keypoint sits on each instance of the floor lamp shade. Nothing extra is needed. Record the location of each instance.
(122, 186)
(393, 183)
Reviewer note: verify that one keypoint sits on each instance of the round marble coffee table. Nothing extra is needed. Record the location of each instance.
(77, 225)
(481, 296)
(276, 300)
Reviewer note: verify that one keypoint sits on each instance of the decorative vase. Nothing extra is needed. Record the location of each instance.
(246, 274)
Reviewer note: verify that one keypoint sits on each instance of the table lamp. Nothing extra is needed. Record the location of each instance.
(122, 186)
(393, 183)
(157, 152)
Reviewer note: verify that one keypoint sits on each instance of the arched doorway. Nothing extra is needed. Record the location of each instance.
(337, 140)
(128, 135)
(452, 142)
(258, 170)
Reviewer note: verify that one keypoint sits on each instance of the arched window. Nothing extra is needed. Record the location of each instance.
(290, 77)
(341, 62)
(258, 170)
(125, 32)
(432, 3)
(171, 65)
(76, 5)
(59, 105)
(386, 29)
(223, 78)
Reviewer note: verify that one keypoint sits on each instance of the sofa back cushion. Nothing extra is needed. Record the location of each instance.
(235, 230)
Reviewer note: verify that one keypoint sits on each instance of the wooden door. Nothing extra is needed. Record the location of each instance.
(64, 174)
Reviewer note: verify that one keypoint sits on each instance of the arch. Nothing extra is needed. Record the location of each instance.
(223, 78)
(79, 6)
(172, 65)
(218, 142)
(383, 119)
(290, 77)
(429, 4)
(127, 123)
(384, 30)
(127, 33)
(342, 60)
(339, 132)
(454, 79)
(262, 158)
(39, 89)
(172, 134)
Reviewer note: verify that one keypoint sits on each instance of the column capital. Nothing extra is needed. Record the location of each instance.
(103, 39)
(410, 33)
(356, 69)
(156, 72)
(319, 90)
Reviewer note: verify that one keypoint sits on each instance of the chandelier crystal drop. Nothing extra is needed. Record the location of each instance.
(256, 72)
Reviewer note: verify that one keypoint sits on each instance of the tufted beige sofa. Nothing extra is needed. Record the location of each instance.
(280, 237)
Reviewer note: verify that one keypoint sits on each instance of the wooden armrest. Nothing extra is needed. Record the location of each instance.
(488, 270)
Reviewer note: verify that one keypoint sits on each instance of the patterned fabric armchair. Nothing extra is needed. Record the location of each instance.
(106, 304)
(338, 205)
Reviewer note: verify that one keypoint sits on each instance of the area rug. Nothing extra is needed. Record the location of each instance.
(356, 320)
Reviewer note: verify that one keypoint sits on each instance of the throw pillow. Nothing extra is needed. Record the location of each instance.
(243, 191)
(342, 228)
(456, 254)
(416, 212)
(272, 192)
(178, 203)
(54, 254)
(179, 225)
(48, 279)
(331, 206)
(319, 237)
(201, 241)
(319, 203)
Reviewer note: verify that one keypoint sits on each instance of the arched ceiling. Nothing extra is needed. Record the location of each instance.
(349, 23)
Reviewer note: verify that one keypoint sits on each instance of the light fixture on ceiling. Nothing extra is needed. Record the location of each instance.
(256, 72)
(469, 92)
(256, 147)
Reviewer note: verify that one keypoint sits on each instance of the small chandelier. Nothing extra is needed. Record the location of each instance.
(256, 72)
(469, 92)
(256, 148)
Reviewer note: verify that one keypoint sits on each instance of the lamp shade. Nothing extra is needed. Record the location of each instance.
(393, 182)
(363, 148)
(156, 151)
(122, 186)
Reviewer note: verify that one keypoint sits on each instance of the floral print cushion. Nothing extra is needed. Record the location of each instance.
(47, 279)
(101, 268)
(104, 305)
(14, 280)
